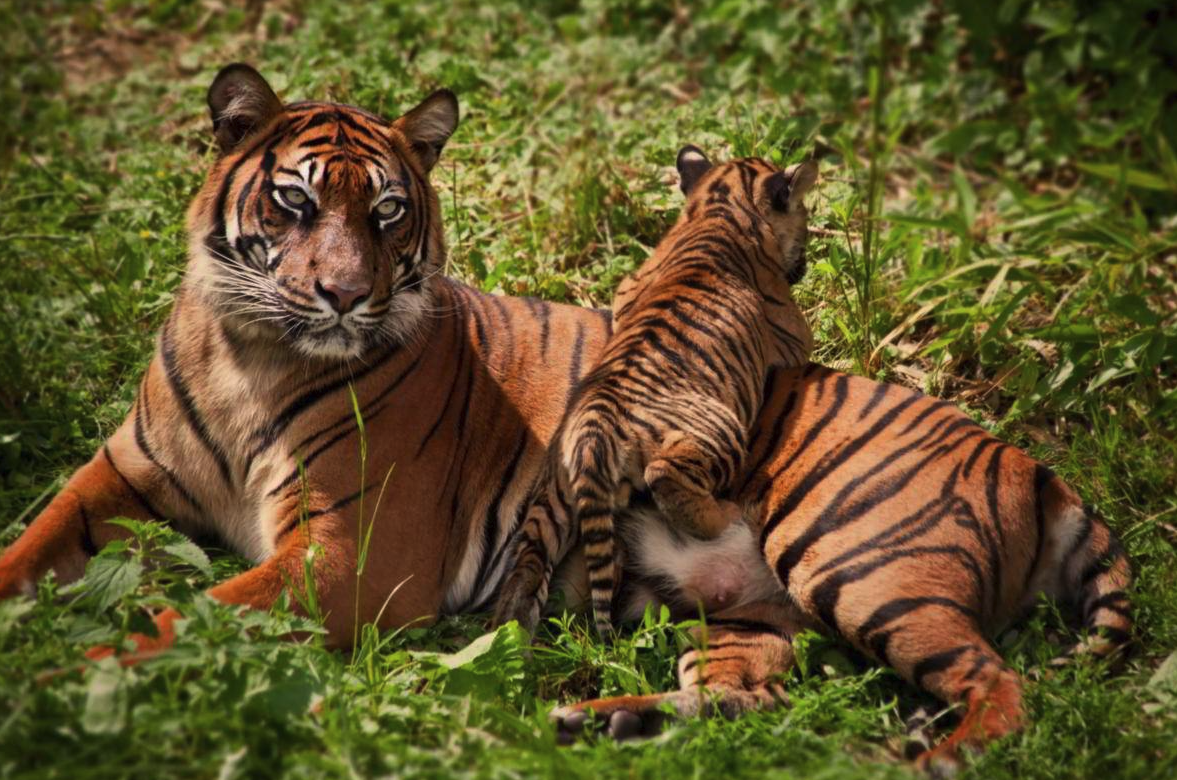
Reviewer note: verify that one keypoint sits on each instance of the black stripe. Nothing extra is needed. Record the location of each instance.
(491, 526)
(1117, 635)
(145, 447)
(897, 608)
(266, 435)
(741, 624)
(825, 596)
(1042, 476)
(794, 552)
(939, 662)
(841, 390)
(1102, 563)
(875, 399)
(88, 545)
(151, 511)
(341, 503)
(368, 412)
(187, 405)
(575, 366)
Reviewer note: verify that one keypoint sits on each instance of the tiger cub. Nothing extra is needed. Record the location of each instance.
(695, 330)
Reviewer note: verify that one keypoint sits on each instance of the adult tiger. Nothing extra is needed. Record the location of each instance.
(314, 265)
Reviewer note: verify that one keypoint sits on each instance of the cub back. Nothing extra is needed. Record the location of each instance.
(668, 406)
(695, 332)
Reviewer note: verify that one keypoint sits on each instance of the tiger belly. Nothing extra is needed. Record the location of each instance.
(684, 572)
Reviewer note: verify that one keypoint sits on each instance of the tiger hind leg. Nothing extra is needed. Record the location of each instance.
(682, 480)
(946, 654)
(1092, 571)
(1083, 566)
(734, 667)
(1101, 583)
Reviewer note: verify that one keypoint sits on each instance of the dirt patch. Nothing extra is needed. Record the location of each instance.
(91, 49)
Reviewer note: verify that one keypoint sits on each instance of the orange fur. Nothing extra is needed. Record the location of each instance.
(894, 521)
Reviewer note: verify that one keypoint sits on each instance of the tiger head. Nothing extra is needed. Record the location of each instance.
(317, 227)
(759, 189)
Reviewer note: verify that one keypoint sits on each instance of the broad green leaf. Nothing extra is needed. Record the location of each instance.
(1163, 685)
(12, 610)
(190, 553)
(110, 578)
(1135, 308)
(467, 654)
(289, 696)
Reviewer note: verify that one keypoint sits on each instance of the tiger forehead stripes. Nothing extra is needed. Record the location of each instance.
(317, 226)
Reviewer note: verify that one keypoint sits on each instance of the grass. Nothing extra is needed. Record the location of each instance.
(995, 224)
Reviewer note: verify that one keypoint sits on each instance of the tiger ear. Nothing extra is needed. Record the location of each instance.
(801, 178)
(691, 164)
(241, 102)
(430, 125)
(785, 190)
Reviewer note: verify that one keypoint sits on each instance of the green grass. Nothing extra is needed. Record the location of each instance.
(995, 224)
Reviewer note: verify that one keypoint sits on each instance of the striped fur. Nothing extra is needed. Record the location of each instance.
(251, 382)
(668, 406)
(894, 521)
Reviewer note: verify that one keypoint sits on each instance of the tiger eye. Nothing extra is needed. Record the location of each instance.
(387, 209)
(293, 196)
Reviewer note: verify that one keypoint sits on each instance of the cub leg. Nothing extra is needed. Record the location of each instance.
(72, 528)
(682, 478)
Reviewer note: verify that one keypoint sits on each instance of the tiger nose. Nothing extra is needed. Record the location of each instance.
(342, 297)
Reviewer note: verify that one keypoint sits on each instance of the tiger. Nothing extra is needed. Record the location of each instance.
(893, 521)
(460, 393)
(668, 405)
(314, 275)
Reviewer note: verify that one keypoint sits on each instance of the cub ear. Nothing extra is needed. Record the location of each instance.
(788, 189)
(691, 164)
(241, 102)
(430, 125)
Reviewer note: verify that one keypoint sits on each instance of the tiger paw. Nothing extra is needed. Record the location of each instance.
(941, 762)
(621, 718)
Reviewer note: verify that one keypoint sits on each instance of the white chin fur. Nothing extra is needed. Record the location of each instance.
(337, 345)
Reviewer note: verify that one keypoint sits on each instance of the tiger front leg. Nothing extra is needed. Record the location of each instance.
(329, 593)
(73, 527)
(682, 477)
